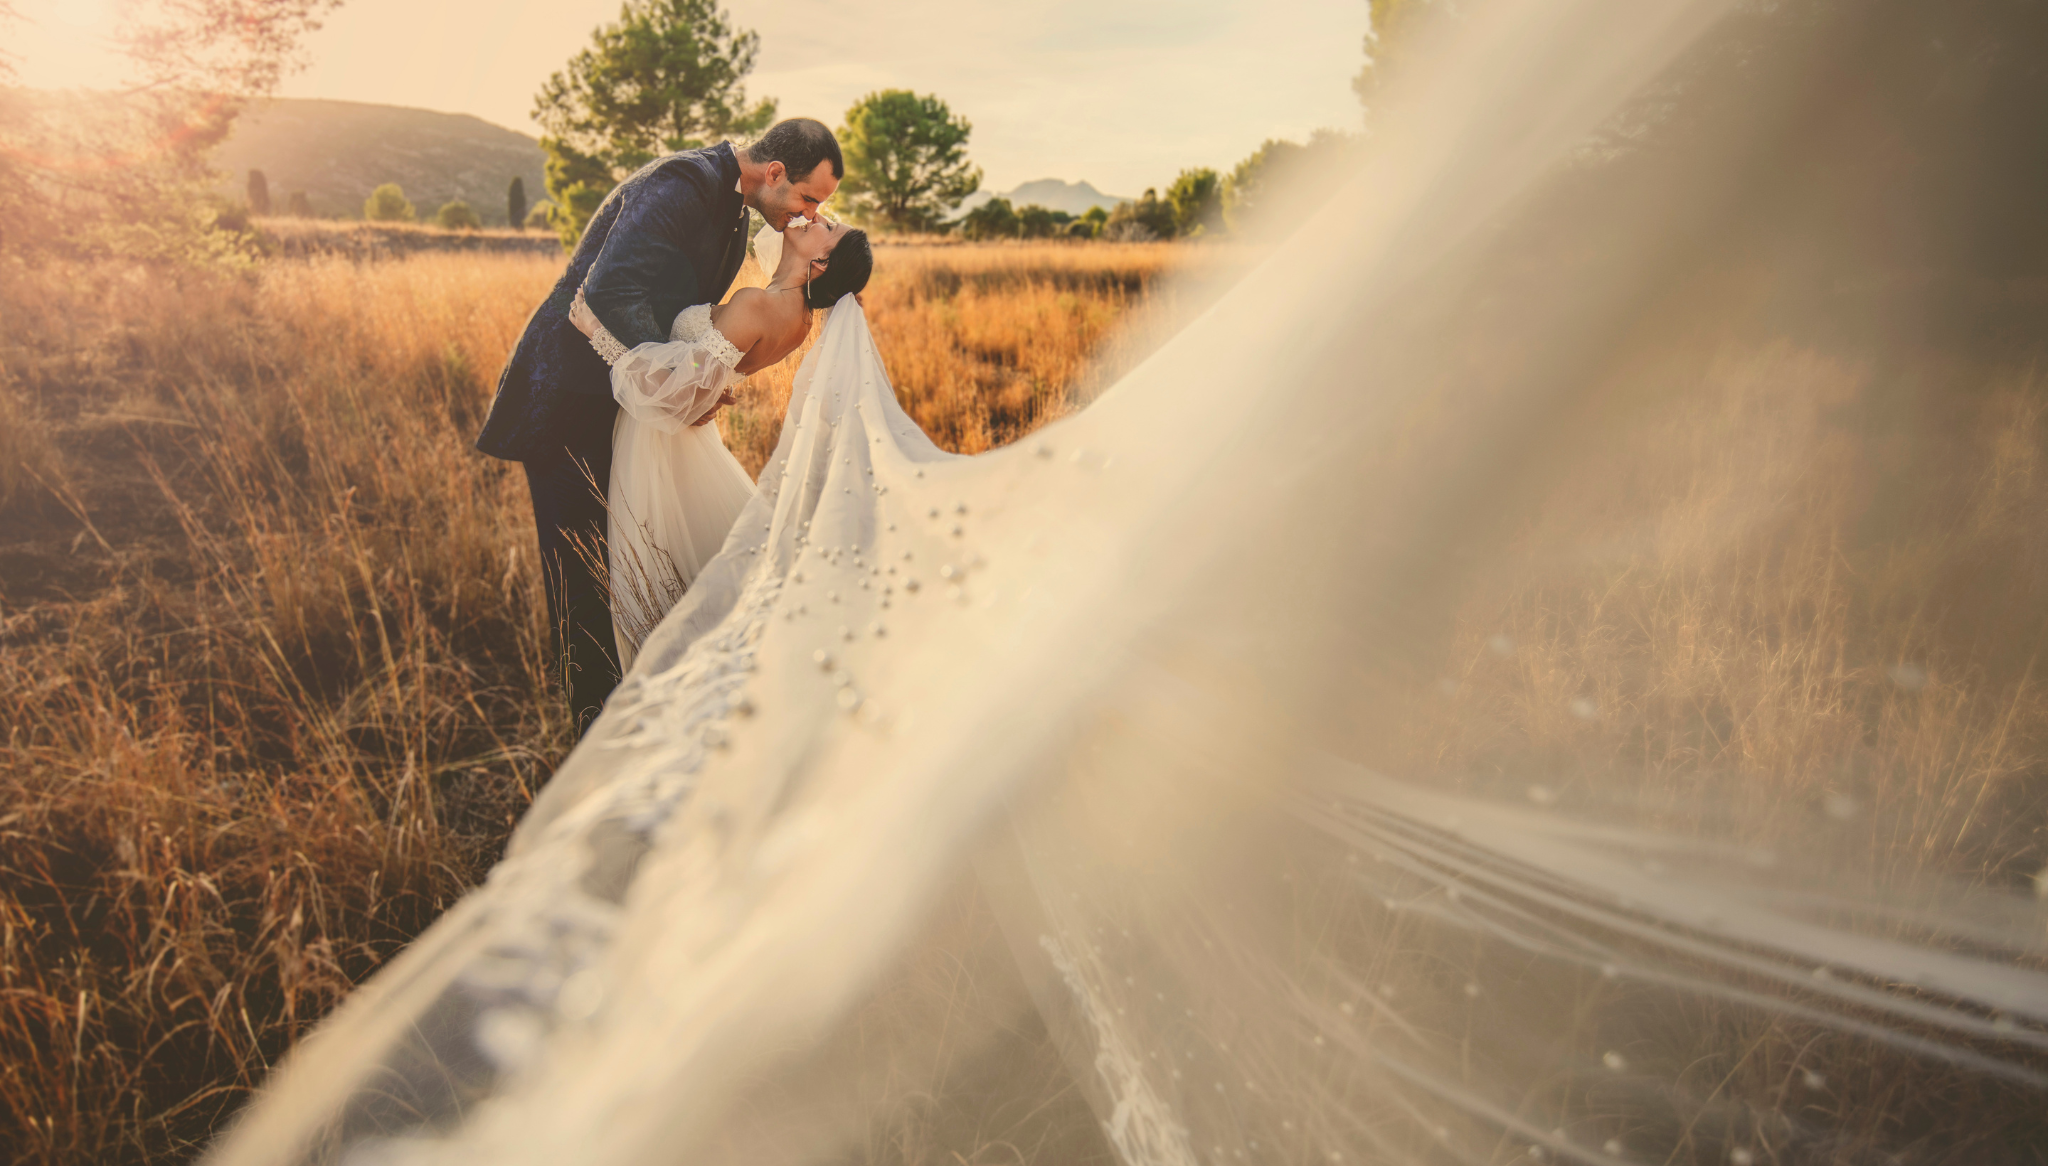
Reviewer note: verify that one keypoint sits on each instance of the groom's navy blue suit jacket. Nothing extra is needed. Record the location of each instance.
(672, 235)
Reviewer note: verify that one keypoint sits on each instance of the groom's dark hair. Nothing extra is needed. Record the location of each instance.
(799, 144)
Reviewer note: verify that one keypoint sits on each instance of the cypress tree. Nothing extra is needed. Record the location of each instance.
(259, 193)
(515, 204)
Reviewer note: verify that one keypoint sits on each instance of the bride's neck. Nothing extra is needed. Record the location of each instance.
(788, 273)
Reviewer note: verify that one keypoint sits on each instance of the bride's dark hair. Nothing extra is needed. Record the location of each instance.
(846, 271)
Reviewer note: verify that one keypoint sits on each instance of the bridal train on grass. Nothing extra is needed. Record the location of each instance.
(942, 763)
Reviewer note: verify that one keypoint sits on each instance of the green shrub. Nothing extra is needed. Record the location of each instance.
(1089, 225)
(991, 220)
(388, 204)
(1037, 222)
(1150, 217)
(457, 216)
(298, 206)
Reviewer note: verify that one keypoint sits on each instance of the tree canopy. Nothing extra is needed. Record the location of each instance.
(1037, 222)
(994, 219)
(668, 75)
(906, 161)
(1281, 179)
(577, 184)
(1392, 21)
(1150, 217)
(1196, 196)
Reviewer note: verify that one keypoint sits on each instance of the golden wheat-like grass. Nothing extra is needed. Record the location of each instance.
(274, 676)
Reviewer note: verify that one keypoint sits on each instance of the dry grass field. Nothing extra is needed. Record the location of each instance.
(271, 633)
(272, 646)
(290, 238)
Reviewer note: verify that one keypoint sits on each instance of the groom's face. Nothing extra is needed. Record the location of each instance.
(788, 195)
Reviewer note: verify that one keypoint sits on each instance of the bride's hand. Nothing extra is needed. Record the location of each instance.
(581, 316)
(725, 398)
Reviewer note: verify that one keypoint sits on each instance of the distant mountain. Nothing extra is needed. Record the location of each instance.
(339, 151)
(1072, 197)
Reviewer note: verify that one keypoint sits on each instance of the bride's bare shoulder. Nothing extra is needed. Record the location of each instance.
(743, 319)
(745, 296)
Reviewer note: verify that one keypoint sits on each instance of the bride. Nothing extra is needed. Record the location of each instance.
(675, 489)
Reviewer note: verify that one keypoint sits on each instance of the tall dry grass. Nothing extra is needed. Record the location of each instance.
(272, 647)
(273, 674)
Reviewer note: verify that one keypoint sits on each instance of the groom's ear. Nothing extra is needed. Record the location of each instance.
(777, 173)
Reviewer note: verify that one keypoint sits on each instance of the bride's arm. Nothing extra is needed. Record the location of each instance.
(664, 385)
(585, 321)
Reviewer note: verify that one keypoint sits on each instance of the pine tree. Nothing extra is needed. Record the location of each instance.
(259, 193)
(515, 203)
(906, 161)
(667, 76)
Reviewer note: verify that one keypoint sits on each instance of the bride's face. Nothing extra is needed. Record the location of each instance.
(813, 242)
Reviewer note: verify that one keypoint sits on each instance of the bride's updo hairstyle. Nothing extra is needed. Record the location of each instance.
(846, 271)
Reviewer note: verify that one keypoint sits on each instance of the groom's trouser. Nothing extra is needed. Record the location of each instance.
(567, 482)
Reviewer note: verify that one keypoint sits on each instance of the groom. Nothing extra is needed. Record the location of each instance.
(670, 236)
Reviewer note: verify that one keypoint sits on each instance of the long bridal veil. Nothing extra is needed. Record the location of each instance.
(1057, 794)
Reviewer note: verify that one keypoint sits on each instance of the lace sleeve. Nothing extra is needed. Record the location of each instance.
(607, 345)
(601, 338)
(671, 385)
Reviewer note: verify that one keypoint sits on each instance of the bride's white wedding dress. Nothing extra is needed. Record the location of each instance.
(675, 489)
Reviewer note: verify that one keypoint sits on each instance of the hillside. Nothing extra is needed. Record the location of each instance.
(339, 151)
(1072, 197)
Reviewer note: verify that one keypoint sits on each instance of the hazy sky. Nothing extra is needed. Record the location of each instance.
(1122, 93)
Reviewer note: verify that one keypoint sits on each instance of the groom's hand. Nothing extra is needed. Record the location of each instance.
(725, 398)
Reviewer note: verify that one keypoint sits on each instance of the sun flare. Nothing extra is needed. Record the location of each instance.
(71, 44)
